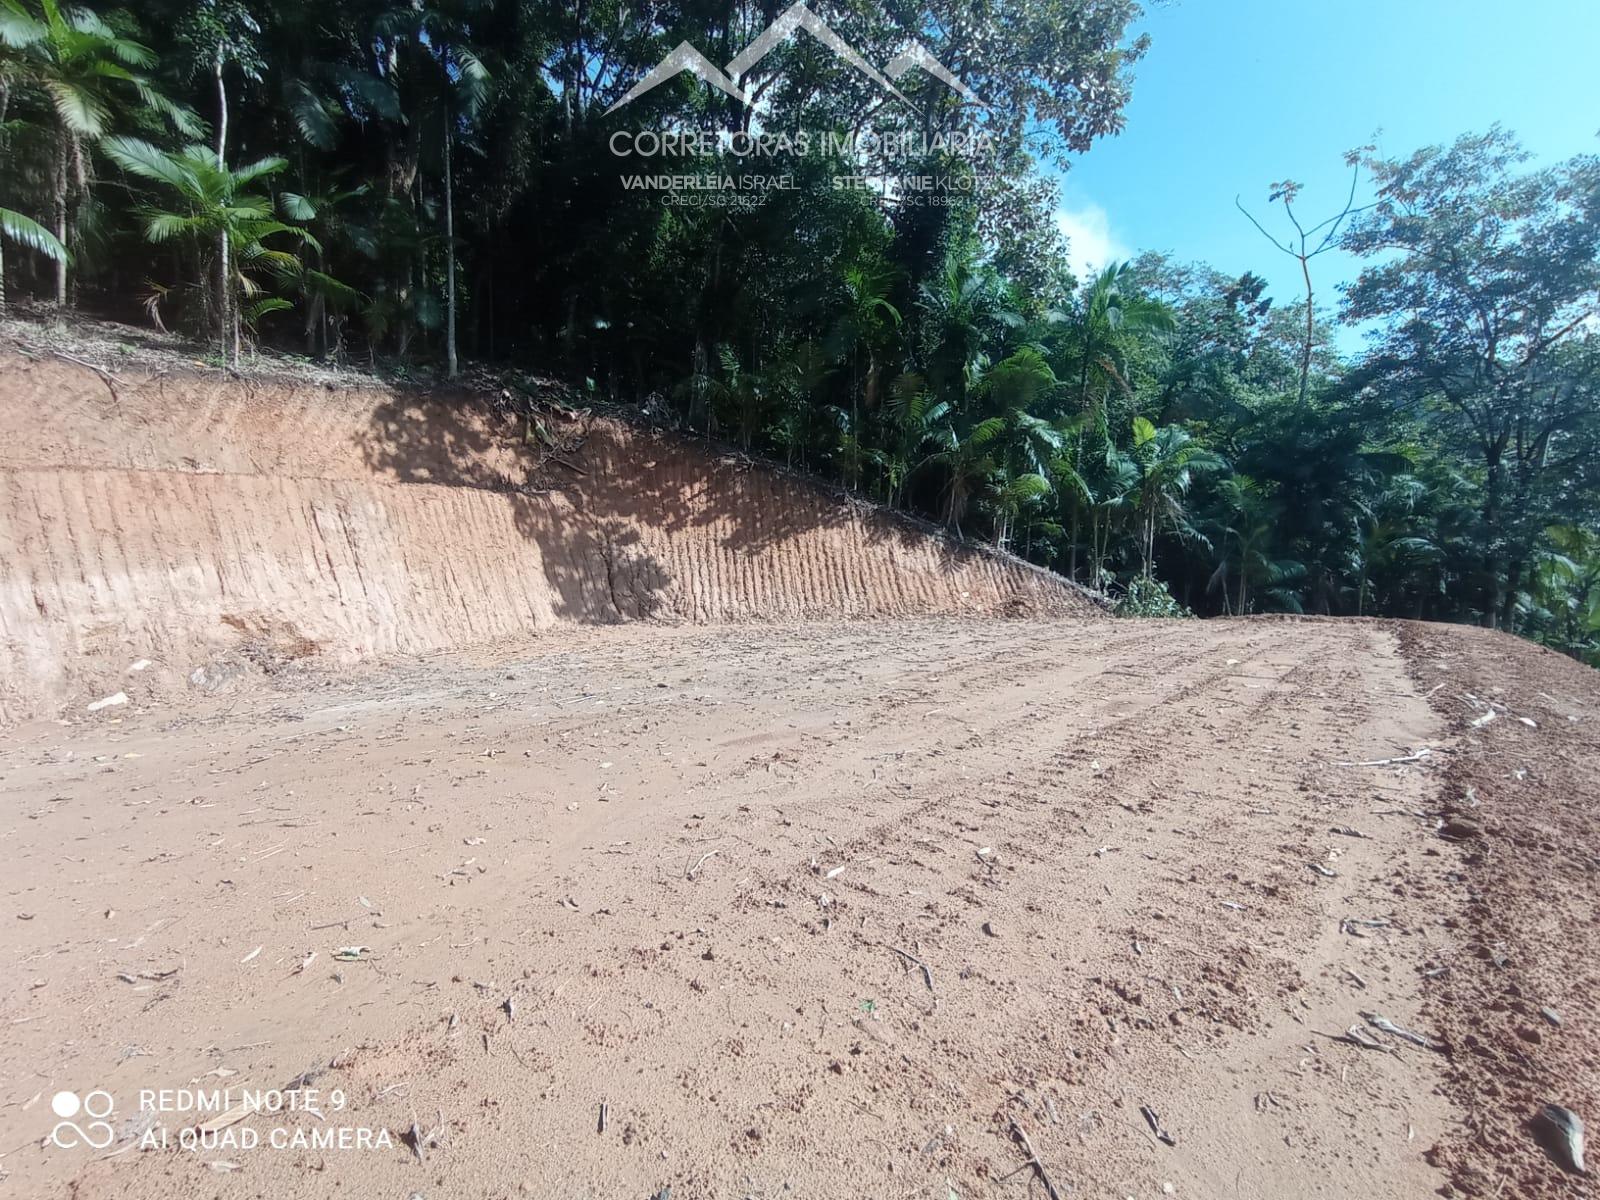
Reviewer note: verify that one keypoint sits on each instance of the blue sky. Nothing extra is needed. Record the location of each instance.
(1235, 94)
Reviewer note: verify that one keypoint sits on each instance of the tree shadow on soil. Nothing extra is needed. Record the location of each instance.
(584, 489)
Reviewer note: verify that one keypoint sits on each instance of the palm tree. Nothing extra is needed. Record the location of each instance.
(962, 311)
(401, 301)
(1247, 534)
(861, 329)
(969, 462)
(324, 296)
(807, 368)
(221, 32)
(1565, 589)
(1116, 492)
(1389, 540)
(447, 80)
(1070, 470)
(755, 394)
(914, 417)
(1112, 320)
(85, 69)
(16, 226)
(1027, 444)
(464, 94)
(216, 209)
(1167, 460)
(1011, 497)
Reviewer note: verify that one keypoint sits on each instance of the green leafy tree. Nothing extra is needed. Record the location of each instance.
(324, 211)
(969, 464)
(213, 207)
(17, 226)
(915, 419)
(1564, 592)
(1112, 319)
(1167, 460)
(88, 72)
(1487, 291)
(1247, 548)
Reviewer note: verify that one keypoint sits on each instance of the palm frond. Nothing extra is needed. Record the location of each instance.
(376, 94)
(80, 110)
(474, 80)
(140, 158)
(311, 114)
(297, 207)
(27, 232)
(267, 304)
(180, 117)
(18, 29)
(164, 226)
(249, 173)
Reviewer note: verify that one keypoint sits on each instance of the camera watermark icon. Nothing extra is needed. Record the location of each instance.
(96, 1105)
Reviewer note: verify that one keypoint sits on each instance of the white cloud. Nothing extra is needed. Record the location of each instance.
(1090, 243)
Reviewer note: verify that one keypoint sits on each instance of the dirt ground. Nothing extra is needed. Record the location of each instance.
(820, 909)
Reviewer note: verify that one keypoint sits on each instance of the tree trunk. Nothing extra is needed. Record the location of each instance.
(224, 296)
(449, 261)
(1508, 604)
(316, 320)
(1096, 563)
(1493, 483)
(229, 327)
(222, 107)
(5, 102)
(1305, 353)
(61, 216)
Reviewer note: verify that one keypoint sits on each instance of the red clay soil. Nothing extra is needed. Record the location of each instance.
(1523, 790)
(692, 877)
(204, 523)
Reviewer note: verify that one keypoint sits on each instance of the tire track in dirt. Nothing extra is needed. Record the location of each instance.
(743, 1035)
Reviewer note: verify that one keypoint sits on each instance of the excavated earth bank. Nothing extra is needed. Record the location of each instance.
(203, 524)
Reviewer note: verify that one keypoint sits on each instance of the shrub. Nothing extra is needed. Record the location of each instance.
(1149, 598)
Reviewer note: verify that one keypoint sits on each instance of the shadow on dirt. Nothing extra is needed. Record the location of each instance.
(587, 489)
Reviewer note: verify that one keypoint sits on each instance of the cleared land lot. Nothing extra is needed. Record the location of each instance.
(706, 867)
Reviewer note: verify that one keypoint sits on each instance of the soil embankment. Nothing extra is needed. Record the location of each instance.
(208, 524)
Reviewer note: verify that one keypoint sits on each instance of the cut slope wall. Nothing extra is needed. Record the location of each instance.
(189, 520)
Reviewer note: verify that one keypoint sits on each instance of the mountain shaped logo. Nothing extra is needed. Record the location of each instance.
(797, 16)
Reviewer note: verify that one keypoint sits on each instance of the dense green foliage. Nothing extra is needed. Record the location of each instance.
(401, 181)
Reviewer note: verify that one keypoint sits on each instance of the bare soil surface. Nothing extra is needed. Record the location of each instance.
(1522, 794)
(819, 909)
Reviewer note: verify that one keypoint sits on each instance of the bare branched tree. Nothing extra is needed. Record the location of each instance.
(1305, 244)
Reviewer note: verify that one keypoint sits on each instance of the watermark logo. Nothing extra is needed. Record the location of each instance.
(797, 16)
(207, 1120)
(96, 1106)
